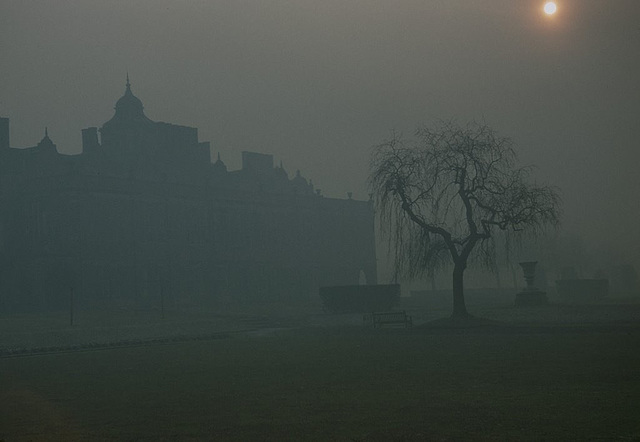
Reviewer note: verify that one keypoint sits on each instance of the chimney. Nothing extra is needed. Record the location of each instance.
(4, 133)
(90, 139)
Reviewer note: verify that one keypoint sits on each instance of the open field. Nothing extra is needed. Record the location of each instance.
(338, 382)
(52, 330)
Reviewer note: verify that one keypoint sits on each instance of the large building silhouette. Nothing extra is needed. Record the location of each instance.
(143, 216)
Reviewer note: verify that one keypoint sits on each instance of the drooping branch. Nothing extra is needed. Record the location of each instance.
(449, 190)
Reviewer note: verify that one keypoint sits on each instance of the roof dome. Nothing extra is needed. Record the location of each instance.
(129, 101)
(219, 166)
(298, 180)
(300, 185)
(46, 141)
(129, 107)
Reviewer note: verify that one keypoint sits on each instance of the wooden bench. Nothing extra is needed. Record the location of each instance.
(393, 319)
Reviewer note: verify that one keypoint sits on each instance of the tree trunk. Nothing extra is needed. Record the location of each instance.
(459, 306)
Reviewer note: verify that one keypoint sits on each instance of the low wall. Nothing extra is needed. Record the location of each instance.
(576, 290)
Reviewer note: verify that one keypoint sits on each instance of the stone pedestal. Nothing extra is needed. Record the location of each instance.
(531, 295)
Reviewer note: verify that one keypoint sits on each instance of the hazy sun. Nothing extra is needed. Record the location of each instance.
(550, 8)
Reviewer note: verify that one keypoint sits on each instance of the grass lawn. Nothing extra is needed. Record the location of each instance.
(343, 383)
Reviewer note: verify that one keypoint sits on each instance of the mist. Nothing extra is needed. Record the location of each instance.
(262, 243)
(319, 85)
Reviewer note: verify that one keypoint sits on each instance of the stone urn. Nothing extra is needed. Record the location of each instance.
(529, 270)
(531, 295)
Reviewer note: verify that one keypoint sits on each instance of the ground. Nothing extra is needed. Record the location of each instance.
(555, 373)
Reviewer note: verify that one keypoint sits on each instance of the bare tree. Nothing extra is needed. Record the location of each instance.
(450, 190)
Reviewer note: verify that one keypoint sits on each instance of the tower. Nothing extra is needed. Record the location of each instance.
(4, 133)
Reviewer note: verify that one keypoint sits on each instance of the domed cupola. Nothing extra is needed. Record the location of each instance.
(129, 108)
(219, 166)
(300, 184)
(299, 181)
(46, 142)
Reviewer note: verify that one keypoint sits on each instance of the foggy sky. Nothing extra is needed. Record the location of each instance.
(317, 84)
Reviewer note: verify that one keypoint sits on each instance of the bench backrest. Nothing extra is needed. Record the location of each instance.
(390, 316)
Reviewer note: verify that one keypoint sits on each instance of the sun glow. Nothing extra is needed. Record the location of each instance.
(550, 8)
